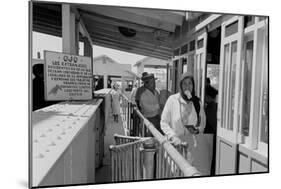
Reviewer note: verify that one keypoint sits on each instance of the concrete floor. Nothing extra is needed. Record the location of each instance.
(103, 174)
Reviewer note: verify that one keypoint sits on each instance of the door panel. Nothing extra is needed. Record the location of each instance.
(231, 44)
(200, 65)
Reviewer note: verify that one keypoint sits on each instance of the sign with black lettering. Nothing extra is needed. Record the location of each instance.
(67, 77)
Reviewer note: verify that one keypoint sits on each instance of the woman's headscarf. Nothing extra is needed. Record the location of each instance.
(183, 77)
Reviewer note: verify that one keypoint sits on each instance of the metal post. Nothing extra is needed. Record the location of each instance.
(149, 160)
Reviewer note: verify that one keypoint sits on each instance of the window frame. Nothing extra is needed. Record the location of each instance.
(222, 131)
(262, 147)
(252, 141)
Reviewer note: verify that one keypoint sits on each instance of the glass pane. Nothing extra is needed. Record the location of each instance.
(184, 65)
(232, 84)
(248, 21)
(200, 43)
(224, 84)
(264, 121)
(184, 49)
(200, 75)
(264, 118)
(176, 75)
(231, 29)
(190, 63)
(247, 87)
(196, 73)
(262, 18)
(213, 73)
(176, 52)
(192, 45)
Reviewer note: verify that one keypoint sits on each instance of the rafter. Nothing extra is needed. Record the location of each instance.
(163, 15)
(116, 13)
(145, 38)
(128, 45)
(132, 50)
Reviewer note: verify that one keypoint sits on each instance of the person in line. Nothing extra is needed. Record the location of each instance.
(147, 100)
(211, 120)
(38, 87)
(38, 90)
(133, 93)
(115, 103)
(99, 84)
(183, 120)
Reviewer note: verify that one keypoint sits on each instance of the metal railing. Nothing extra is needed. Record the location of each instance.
(127, 158)
(170, 161)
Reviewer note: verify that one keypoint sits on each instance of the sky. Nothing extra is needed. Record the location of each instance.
(43, 42)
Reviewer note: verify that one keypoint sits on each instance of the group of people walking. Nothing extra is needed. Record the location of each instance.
(181, 117)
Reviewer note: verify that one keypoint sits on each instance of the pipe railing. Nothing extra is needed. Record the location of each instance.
(171, 162)
(134, 125)
(120, 139)
(127, 158)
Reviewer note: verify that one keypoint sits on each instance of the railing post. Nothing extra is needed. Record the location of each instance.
(149, 150)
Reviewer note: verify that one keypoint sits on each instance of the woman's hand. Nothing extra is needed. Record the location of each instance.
(193, 130)
(175, 140)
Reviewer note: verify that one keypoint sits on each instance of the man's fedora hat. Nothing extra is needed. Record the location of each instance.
(145, 76)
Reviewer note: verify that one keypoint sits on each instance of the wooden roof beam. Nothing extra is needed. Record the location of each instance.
(130, 17)
(82, 28)
(139, 52)
(130, 44)
(111, 21)
(163, 15)
(127, 47)
(144, 38)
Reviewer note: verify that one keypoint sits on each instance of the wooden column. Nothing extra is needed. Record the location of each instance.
(69, 31)
(88, 49)
(105, 78)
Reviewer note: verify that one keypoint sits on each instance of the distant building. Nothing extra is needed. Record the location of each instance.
(108, 69)
(156, 66)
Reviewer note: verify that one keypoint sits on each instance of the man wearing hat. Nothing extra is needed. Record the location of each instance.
(147, 100)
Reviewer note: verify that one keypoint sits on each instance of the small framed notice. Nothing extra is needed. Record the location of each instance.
(67, 77)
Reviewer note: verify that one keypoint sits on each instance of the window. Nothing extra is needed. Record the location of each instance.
(192, 45)
(264, 90)
(264, 108)
(176, 52)
(248, 21)
(224, 83)
(262, 18)
(231, 29)
(184, 65)
(200, 43)
(198, 74)
(232, 78)
(246, 97)
(190, 63)
(184, 49)
(176, 75)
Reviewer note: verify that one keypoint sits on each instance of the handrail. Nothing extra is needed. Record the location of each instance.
(181, 162)
(126, 137)
(128, 144)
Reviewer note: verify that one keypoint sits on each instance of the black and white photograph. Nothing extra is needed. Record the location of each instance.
(125, 94)
(140, 94)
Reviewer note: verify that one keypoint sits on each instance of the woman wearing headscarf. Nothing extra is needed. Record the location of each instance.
(183, 120)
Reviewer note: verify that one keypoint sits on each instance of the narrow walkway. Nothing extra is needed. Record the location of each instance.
(103, 174)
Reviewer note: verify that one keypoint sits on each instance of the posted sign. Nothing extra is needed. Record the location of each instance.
(67, 77)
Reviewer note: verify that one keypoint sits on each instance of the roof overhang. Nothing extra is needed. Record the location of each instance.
(152, 31)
